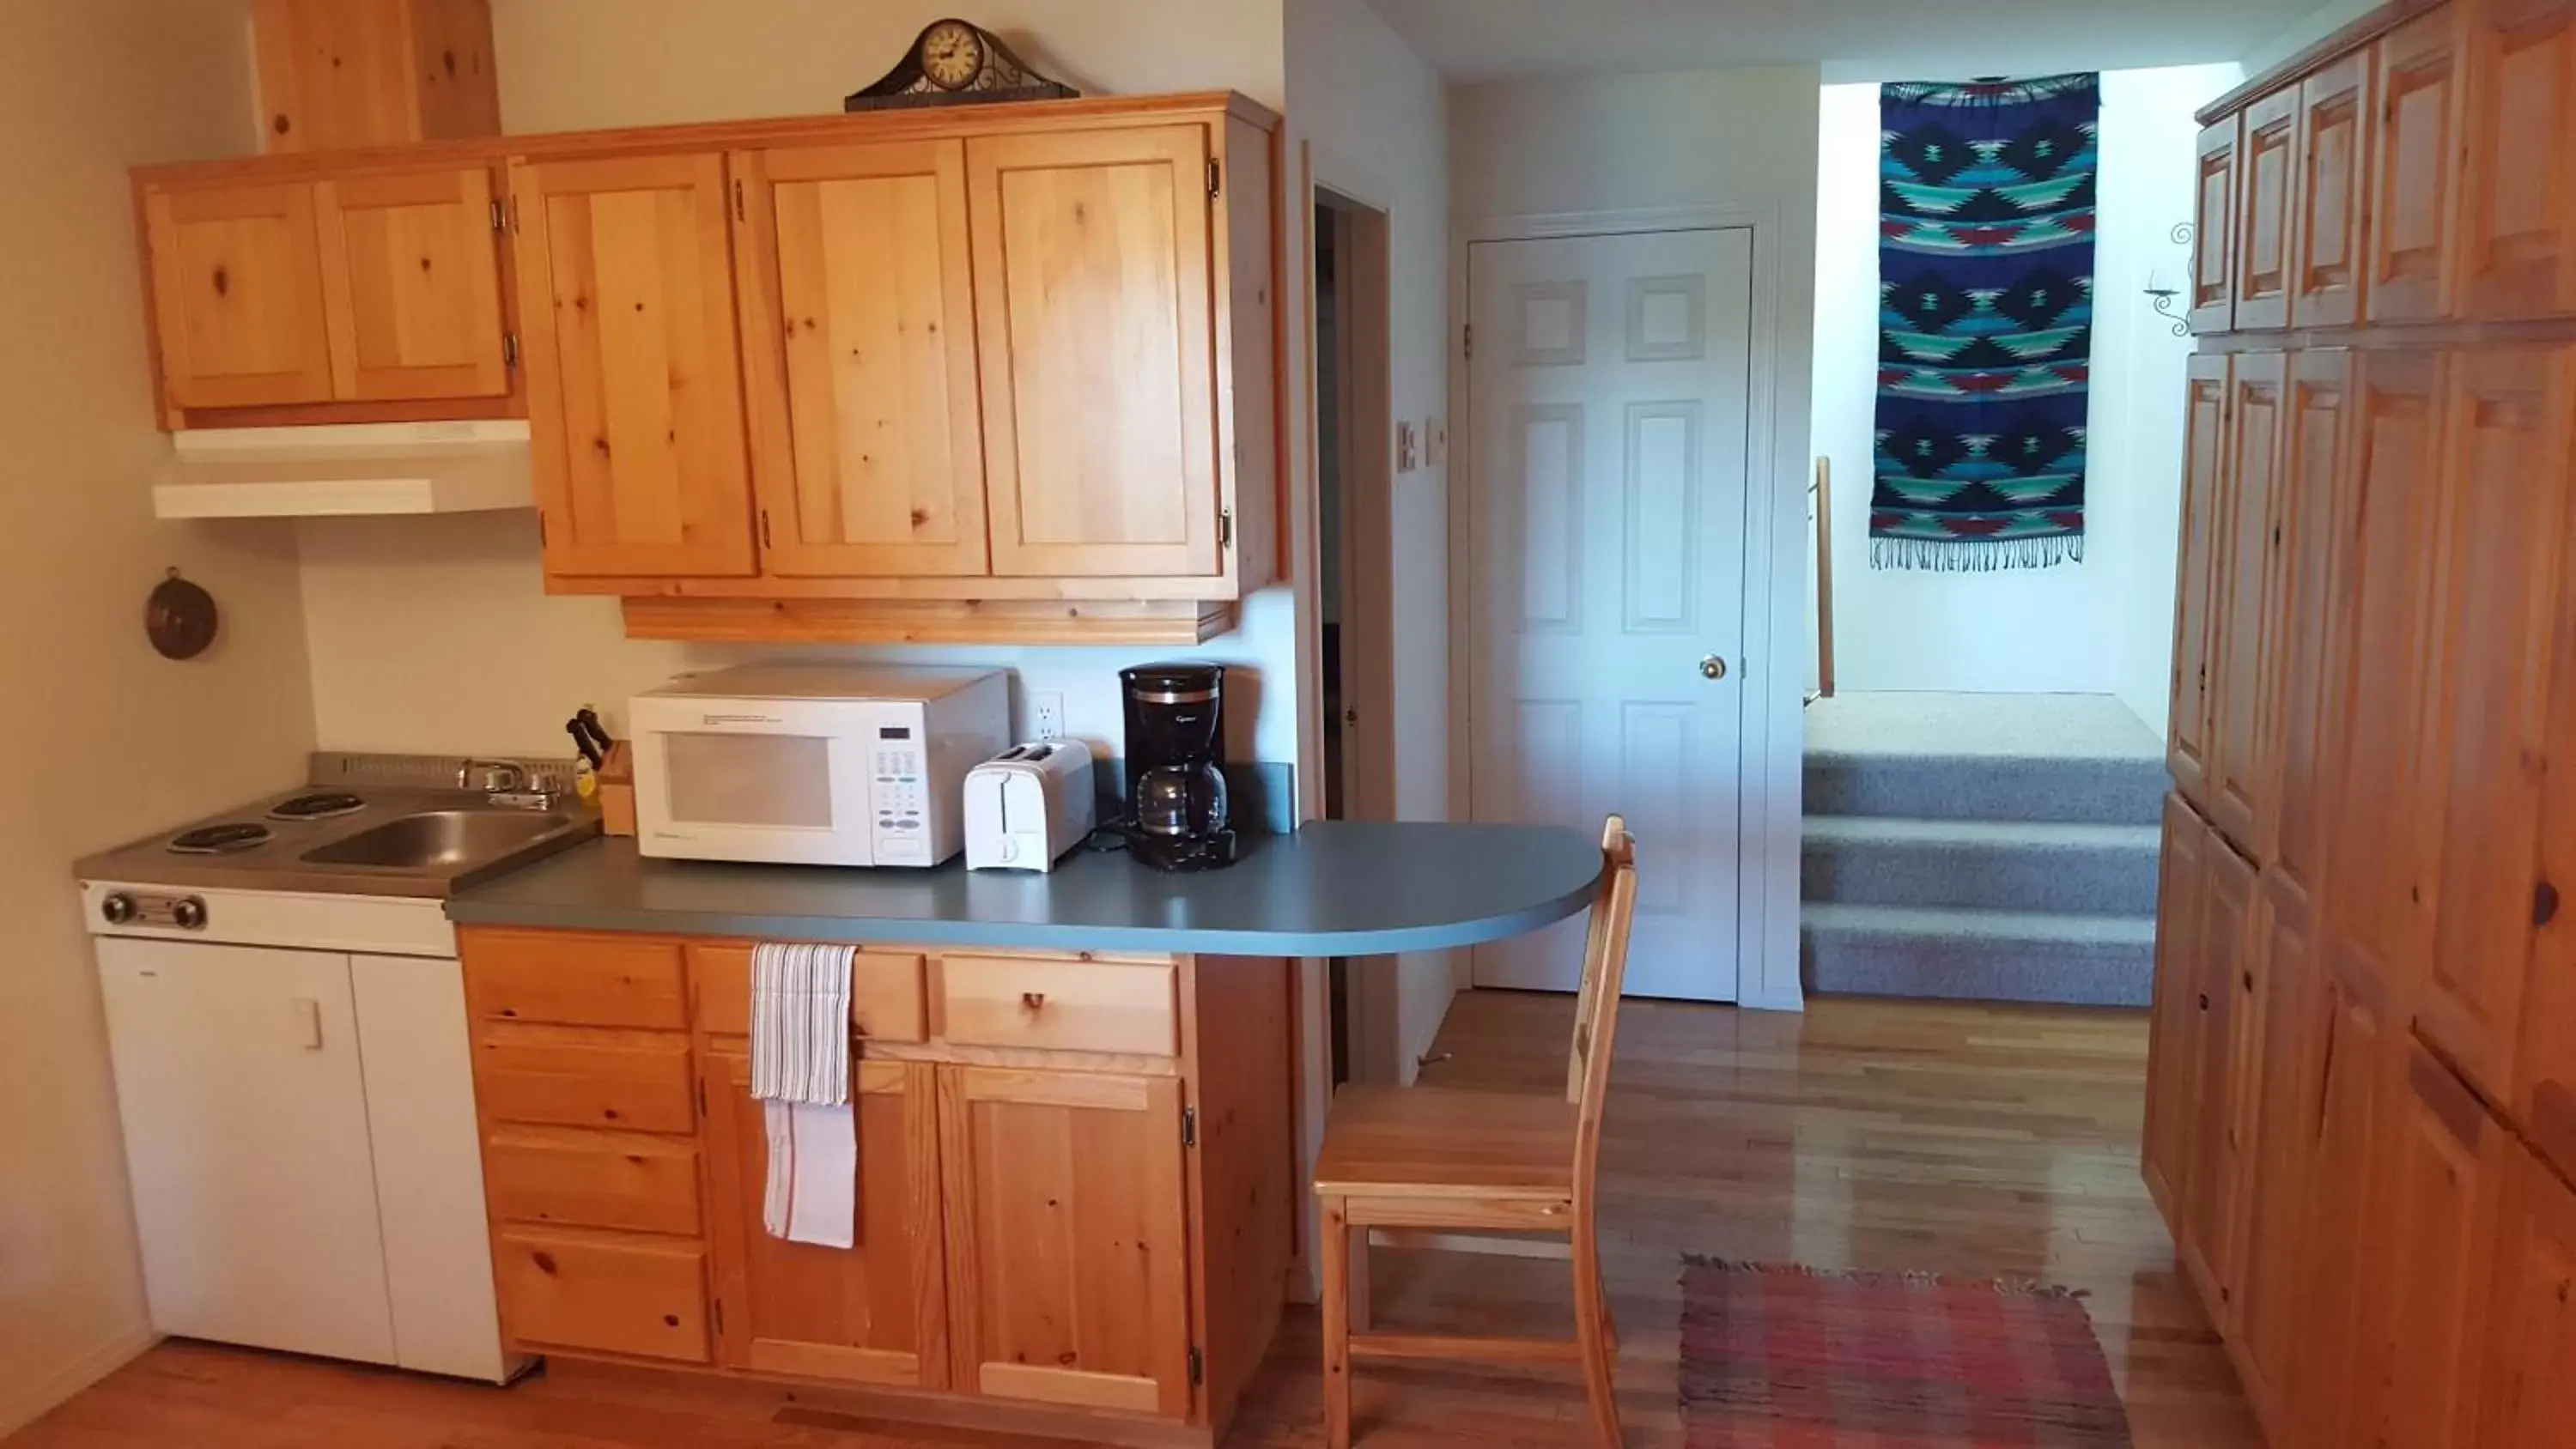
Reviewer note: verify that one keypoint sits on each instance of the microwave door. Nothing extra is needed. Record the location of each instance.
(760, 790)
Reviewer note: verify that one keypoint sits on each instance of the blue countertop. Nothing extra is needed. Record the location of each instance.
(1335, 888)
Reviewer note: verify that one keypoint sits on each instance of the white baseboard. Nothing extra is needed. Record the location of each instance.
(1792, 999)
(32, 1401)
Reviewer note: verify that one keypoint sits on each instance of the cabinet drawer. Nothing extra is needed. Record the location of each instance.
(1060, 1005)
(575, 980)
(599, 1291)
(591, 1179)
(576, 1078)
(885, 993)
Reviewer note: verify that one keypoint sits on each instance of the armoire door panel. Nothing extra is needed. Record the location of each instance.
(2333, 182)
(634, 382)
(2314, 525)
(2242, 616)
(237, 296)
(2529, 1394)
(2446, 1162)
(2174, 1038)
(2415, 169)
(859, 324)
(2276, 1075)
(2327, 1393)
(2213, 269)
(2518, 237)
(2544, 1090)
(2196, 571)
(2266, 220)
(2502, 526)
(2225, 996)
(412, 285)
(1093, 297)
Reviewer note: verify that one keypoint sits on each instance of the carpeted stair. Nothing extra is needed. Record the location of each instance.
(2023, 873)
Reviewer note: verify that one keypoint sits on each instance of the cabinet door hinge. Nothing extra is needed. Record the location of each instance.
(1467, 339)
(1198, 1366)
(1225, 528)
(1216, 174)
(1189, 1126)
(718, 1306)
(740, 212)
(541, 528)
(702, 1096)
(514, 215)
(509, 349)
(500, 215)
(764, 528)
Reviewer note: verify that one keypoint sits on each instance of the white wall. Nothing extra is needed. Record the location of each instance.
(2316, 25)
(1740, 138)
(2098, 627)
(1375, 118)
(101, 740)
(434, 634)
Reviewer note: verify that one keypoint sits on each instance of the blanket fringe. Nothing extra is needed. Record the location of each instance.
(2013, 1287)
(1975, 555)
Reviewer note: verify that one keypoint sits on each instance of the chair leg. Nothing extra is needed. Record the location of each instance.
(1337, 1324)
(1598, 1337)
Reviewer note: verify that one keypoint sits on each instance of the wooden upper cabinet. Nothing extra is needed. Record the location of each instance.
(2309, 505)
(1094, 284)
(2174, 1038)
(2205, 448)
(2267, 210)
(2503, 520)
(335, 74)
(2227, 990)
(412, 285)
(2445, 1169)
(634, 385)
(872, 1313)
(2242, 614)
(2518, 207)
(859, 324)
(238, 295)
(2415, 169)
(2214, 244)
(1067, 1238)
(2544, 1093)
(2530, 1397)
(2332, 182)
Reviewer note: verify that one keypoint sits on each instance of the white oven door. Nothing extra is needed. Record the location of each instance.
(771, 781)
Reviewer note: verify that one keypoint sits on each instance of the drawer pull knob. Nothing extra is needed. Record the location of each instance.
(545, 1262)
(670, 1320)
(1033, 1000)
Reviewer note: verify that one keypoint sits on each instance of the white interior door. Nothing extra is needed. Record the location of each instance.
(1608, 385)
(237, 1076)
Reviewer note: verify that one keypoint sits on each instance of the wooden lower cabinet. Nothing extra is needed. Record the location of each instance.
(2282, 996)
(2175, 1038)
(2529, 1391)
(614, 1293)
(2445, 1158)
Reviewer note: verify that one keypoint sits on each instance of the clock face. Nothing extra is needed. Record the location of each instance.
(952, 55)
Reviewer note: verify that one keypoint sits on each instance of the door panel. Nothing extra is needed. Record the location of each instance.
(2315, 527)
(2531, 1322)
(2333, 180)
(634, 387)
(2224, 997)
(1608, 395)
(2243, 618)
(2213, 268)
(2274, 1072)
(245, 1115)
(1093, 296)
(412, 267)
(1067, 1238)
(859, 310)
(2347, 1111)
(2415, 170)
(237, 296)
(2174, 1037)
(2544, 1092)
(2204, 493)
(874, 1313)
(2518, 238)
(2268, 156)
(2503, 524)
(2445, 1172)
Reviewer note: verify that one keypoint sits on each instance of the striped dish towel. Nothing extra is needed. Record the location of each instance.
(800, 1070)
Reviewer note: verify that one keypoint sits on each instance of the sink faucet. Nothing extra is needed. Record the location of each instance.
(492, 777)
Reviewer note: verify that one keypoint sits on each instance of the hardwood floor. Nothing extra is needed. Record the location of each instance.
(1996, 1142)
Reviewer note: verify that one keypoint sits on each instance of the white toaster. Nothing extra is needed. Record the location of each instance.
(1028, 806)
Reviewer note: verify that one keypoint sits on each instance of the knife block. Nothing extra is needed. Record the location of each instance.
(617, 791)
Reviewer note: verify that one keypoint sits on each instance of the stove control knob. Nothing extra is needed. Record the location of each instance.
(188, 914)
(117, 910)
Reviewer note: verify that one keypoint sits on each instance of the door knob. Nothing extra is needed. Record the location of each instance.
(1712, 667)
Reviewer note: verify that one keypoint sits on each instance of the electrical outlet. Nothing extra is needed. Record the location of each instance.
(1046, 714)
(1408, 448)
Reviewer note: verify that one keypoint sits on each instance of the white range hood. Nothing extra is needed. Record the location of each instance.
(354, 468)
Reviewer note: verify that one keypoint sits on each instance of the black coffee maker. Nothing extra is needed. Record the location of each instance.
(1176, 802)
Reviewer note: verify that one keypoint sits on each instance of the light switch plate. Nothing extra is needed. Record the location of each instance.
(1408, 447)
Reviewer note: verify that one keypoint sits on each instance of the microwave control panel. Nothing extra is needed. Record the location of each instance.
(898, 792)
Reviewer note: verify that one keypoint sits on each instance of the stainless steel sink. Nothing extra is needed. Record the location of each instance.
(440, 840)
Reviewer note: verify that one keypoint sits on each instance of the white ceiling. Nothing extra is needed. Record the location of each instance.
(1853, 39)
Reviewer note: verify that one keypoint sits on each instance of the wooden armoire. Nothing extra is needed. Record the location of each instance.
(2361, 1116)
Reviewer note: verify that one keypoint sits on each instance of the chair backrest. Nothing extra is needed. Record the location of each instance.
(1596, 1010)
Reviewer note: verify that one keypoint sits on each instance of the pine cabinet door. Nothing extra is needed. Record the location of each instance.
(2275, 1074)
(2247, 560)
(634, 386)
(2174, 1037)
(2502, 525)
(2531, 1320)
(2314, 523)
(237, 296)
(2333, 179)
(1094, 304)
(2446, 1161)
(2415, 169)
(2327, 1394)
(2266, 229)
(2196, 571)
(874, 1313)
(1067, 1238)
(412, 272)
(859, 325)
(2214, 244)
(2518, 212)
(2224, 996)
(2544, 1094)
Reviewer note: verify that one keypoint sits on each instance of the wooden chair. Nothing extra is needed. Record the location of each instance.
(1486, 1162)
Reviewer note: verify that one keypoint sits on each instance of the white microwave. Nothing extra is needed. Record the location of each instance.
(813, 764)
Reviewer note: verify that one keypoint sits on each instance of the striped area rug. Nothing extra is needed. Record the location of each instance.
(1777, 1357)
